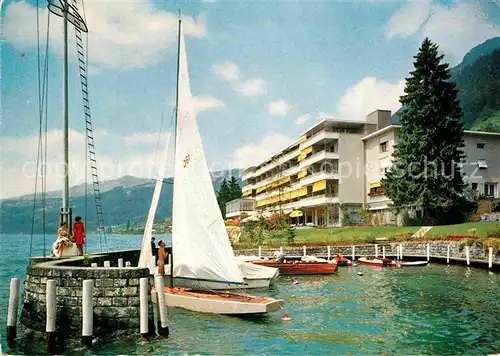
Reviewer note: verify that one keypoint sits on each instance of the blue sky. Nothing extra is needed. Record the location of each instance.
(261, 73)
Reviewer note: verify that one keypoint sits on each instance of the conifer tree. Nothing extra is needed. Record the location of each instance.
(429, 149)
(223, 196)
(234, 188)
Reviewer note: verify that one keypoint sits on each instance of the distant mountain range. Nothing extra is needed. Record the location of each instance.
(478, 83)
(125, 201)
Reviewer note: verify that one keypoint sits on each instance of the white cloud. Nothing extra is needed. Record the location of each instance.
(368, 95)
(227, 70)
(408, 19)
(230, 72)
(278, 108)
(252, 87)
(124, 35)
(456, 28)
(147, 138)
(302, 119)
(254, 153)
(19, 161)
(207, 102)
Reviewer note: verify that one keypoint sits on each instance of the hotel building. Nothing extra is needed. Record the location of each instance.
(341, 163)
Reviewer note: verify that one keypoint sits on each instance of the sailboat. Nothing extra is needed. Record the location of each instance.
(202, 255)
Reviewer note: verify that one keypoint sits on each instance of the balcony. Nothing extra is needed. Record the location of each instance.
(247, 175)
(318, 137)
(317, 157)
(318, 200)
(276, 162)
(309, 179)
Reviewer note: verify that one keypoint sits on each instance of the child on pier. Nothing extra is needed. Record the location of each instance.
(79, 234)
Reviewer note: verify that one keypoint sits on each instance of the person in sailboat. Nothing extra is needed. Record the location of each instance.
(62, 240)
(162, 256)
(79, 234)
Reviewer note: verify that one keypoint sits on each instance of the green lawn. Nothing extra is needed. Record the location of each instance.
(363, 234)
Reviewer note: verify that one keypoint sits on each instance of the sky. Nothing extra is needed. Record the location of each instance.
(261, 74)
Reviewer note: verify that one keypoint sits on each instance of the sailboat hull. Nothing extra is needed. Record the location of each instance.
(190, 283)
(218, 303)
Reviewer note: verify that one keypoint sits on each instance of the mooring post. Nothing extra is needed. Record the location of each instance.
(120, 263)
(15, 290)
(160, 290)
(376, 250)
(107, 264)
(281, 249)
(93, 265)
(128, 264)
(51, 307)
(401, 251)
(328, 253)
(428, 252)
(490, 258)
(448, 255)
(353, 252)
(157, 309)
(304, 248)
(144, 306)
(383, 251)
(260, 252)
(467, 255)
(87, 312)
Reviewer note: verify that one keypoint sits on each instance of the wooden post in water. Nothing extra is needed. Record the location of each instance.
(383, 251)
(304, 248)
(107, 264)
(15, 290)
(467, 259)
(353, 252)
(128, 264)
(160, 299)
(87, 312)
(328, 253)
(51, 308)
(448, 254)
(428, 252)
(93, 265)
(144, 306)
(260, 252)
(490, 258)
(401, 252)
(281, 249)
(376, 250)
(120, 263)
(397, 252)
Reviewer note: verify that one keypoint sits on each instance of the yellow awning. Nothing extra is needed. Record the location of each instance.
(294, 194)
(247, 193)
(302, 191)
(296, 214)
(375, 185)
(302, 174)
(321, 185)
(304, 153)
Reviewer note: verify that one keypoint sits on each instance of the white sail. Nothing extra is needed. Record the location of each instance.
(201, 248)
(146, 258)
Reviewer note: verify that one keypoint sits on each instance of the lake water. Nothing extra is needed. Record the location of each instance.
(435, 309)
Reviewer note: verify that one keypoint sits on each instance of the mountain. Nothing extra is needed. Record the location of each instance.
(478, 83)
(125, 201)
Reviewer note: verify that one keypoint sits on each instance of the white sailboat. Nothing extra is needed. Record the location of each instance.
(202, 254)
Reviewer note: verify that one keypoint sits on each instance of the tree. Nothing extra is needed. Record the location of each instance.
(234, 188)
(426, 171)
(223, 196)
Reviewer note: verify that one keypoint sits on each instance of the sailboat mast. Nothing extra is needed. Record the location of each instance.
(65, 211)
(175, 138)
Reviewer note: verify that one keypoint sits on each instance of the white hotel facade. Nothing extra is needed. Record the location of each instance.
(339, 162)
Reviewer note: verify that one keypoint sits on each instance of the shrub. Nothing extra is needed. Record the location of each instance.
(495, 232)
(495, 206)
(494, 243)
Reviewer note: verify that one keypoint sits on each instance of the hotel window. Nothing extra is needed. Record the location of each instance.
(481, 163)
(489, 189)
(474, 186)
(383, 147)
(480, 145)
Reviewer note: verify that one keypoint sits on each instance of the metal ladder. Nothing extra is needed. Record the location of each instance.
(90, 135)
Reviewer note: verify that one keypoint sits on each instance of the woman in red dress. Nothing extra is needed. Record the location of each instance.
(79, 234)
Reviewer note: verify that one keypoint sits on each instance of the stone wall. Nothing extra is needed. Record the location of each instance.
(438, 250)
(115, 297)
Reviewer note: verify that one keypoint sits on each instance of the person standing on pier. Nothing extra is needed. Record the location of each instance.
(154, 249)
(162, 256)
(79, 234)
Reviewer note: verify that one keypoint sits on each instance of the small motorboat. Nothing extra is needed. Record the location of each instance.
(413, 263)
(377, 261)
(308, 265)
(342, 261)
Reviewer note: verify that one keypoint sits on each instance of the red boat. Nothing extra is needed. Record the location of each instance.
(377, 261)
(342, 261)
(300, 267)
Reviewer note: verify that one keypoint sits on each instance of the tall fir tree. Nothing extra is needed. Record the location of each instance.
(234, 188)
(223, 196)
(429, 149)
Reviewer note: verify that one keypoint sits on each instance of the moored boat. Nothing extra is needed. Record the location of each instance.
(376, 261)
(300, 267)
(205, 301)
(413, 263)
(342, 261)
